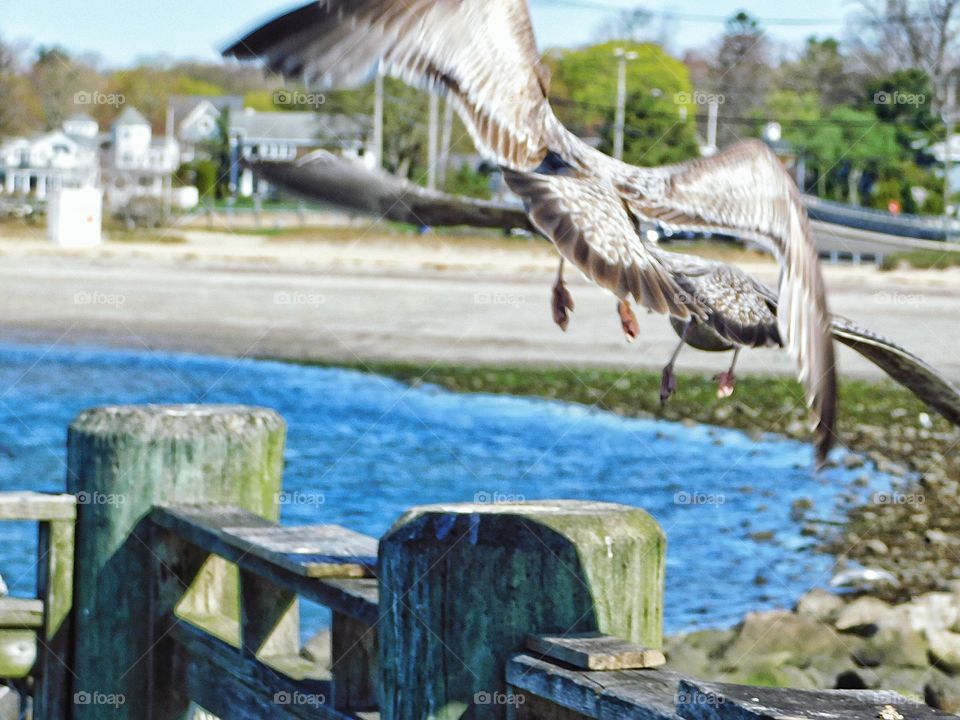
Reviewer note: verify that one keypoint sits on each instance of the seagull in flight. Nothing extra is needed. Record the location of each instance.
(482, 54)
(744, 308)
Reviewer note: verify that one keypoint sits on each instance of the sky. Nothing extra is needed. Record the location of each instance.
(122, 32)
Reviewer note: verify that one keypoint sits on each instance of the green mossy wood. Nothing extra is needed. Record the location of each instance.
(121, 462)
(461, 586)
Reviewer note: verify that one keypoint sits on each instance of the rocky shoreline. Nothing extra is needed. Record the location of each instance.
(828, 641)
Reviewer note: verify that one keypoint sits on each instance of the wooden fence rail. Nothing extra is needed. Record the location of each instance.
(188, 590)
(35, 633)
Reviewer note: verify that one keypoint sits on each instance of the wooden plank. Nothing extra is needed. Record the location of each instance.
(311, 551)
(233, 686)
(356, 597)
(627, 694)
(27, 505)
(698, 700)
(20, 613)
(54, 682)
(354, 664)
(595, 651)
(269, 618)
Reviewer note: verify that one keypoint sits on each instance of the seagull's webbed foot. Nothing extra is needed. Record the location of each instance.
(727, 381)
(562, 305)
(668, 383)
(562, 301)
(628, 320)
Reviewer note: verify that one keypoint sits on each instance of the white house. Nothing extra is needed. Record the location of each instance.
(62, 158)
(135, 164)
(285, 136)
(195, 118)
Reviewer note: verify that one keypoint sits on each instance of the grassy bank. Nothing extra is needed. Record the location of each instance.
(878, 420)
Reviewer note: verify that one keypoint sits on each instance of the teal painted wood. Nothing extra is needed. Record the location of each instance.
(121, 462)
(461, 586)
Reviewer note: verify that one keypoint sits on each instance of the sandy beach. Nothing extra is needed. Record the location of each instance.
(380, 296)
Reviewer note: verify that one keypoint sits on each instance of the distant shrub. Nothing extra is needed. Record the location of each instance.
(922, 260)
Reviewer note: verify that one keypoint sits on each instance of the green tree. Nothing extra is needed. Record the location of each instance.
(655, 132)
(584, 82)
(823, 70)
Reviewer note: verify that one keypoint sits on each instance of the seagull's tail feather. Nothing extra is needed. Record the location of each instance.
(913, 373)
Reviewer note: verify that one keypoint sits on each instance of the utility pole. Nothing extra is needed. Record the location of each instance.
(378, 120)
(712, 113)
(619, 120)
(949, 118)
(433, 139)
(446, 137)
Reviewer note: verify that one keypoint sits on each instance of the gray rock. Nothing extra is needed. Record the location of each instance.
(863, 616)
(895, 645)
(876, 546)
(712, 642)
(796, 637)
(943, 693)
(908, 682)
(933, 611)
(945, 649)
(687, 659)
(851, 461)
(857, 679)
(938, 537)
(820, 604)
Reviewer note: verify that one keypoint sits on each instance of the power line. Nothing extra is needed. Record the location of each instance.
(687, 17)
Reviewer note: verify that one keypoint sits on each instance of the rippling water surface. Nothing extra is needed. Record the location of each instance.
(369, 447)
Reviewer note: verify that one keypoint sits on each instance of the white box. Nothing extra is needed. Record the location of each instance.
(74, 217)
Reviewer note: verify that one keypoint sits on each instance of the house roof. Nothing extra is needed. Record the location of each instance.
(183, 105)
(80, 117)
(130, 116)
(302, 127)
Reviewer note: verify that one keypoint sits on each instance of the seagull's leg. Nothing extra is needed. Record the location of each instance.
(726, 381)
(631, 328)
(668, 381)
(562, 301)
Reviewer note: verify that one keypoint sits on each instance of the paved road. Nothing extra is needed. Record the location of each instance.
(188, 300)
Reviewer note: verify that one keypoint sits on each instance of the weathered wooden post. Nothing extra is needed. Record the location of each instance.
(461, 586)
(122, 462)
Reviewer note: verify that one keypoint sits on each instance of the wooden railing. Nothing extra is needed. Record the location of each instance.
(256, 658)
(35, 633)
(187, 598)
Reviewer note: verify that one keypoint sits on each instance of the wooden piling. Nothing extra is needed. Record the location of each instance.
(461, 587)
(122, 461)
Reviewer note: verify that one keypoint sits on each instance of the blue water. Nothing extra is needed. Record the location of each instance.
(362, 448)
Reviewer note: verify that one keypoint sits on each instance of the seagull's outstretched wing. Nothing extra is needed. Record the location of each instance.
(913, 373)
(481, 52)
(745, 192)
(351, 185)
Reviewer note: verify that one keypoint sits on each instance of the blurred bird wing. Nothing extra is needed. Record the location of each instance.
(913, 373)
(482, 52)
(591, 228)
(745, 192)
